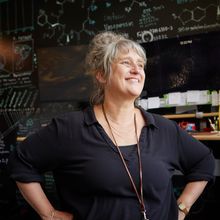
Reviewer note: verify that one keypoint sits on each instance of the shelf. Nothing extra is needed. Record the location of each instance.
(207, 136)
(203, 136)
(176, 116)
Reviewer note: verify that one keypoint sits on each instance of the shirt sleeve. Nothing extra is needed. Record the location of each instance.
(196, 161)
(38, 153)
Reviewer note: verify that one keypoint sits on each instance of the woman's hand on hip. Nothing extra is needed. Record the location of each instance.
(60, 215)
(181, 215)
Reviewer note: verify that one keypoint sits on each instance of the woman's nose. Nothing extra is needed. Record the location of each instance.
(135, 68)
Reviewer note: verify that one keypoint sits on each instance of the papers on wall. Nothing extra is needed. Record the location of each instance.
(204, 97)
(192, 97)
(198, 97)
(143, 103)
(153, 102)
(214, 98)
(219, 98)
(174, 98)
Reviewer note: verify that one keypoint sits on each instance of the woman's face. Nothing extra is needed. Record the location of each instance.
(127, 77)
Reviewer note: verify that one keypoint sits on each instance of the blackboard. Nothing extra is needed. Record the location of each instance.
(76, 22)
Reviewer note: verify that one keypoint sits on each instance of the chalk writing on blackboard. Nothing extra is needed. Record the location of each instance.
(56, 26)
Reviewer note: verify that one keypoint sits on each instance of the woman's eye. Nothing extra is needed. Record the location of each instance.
(126, 62)
(141, 65)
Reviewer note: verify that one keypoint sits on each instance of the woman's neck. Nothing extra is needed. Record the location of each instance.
(118, 113)
(121, 118)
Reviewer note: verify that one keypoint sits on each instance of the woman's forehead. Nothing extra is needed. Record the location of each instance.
(128, 53)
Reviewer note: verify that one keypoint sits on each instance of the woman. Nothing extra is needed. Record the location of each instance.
(113, 161)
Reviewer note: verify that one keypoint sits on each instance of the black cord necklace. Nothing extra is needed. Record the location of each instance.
(140, 195)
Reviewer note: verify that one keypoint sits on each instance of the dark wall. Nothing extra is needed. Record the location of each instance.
(35, 33)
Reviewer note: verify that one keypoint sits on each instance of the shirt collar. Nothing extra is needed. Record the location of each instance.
(149, 118)
(89, 117)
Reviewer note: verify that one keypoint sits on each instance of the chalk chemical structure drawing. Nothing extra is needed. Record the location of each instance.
(54, 21)
(56, 28)
(197, 14)
(141, 4)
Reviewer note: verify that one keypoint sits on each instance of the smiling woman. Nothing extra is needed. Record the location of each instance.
(128, 76)
(108, 51)
(113, 160)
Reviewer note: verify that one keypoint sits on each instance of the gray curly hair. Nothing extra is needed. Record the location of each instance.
(103, 50)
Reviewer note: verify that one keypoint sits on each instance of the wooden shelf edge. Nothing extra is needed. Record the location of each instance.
(206, 136)
(176, 116)
(209, 137)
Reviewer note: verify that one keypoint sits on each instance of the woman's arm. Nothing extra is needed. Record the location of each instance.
(189, 195)
(35, 196)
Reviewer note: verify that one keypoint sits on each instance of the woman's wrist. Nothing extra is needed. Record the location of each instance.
(55, 214)
(182, 208)
(49, 216)
(52, 214)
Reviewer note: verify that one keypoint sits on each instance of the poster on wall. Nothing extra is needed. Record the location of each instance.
(19, 97)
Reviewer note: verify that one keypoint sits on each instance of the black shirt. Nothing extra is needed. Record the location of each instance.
(91, 180)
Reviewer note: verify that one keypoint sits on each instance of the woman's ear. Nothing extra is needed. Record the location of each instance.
(100, 78)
